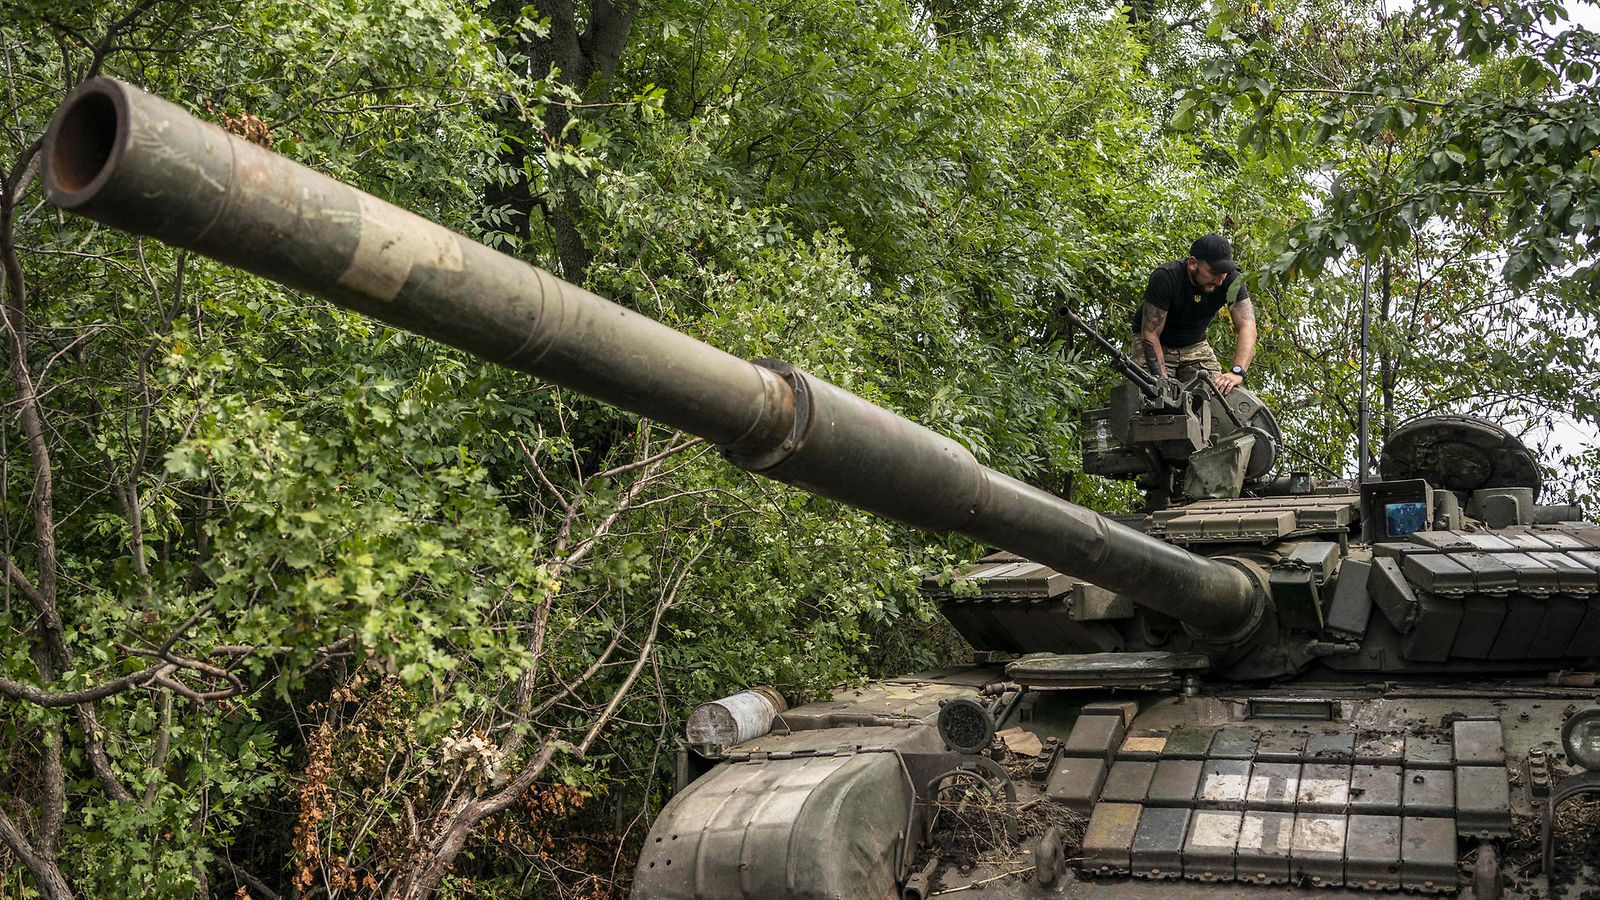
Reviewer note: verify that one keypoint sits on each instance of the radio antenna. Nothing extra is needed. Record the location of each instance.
(1363, 417)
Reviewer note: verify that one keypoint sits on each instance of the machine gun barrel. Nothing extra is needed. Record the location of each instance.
(141, 164)
(1143, 380)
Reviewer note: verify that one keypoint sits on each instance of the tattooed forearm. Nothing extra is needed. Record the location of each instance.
(1152, 357)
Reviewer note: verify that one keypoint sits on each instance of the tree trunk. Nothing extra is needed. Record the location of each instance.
(1387, 363)
(46, 874)
(585, 61)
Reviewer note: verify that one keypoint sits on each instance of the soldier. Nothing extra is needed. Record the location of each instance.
(1180, 301)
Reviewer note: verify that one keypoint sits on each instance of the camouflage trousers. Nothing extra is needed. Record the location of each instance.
(1181, 362)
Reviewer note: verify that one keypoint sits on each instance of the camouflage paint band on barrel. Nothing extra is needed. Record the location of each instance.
(141, 164)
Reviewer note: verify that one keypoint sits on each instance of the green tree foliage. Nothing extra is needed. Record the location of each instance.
(1491, 117)
(1454, 162)
(294, 602)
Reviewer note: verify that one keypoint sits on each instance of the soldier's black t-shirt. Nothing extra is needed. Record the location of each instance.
(1189, 312)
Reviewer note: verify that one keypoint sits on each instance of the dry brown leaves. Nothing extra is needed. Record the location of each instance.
(974, 823)
(316, 804)
(246, 125)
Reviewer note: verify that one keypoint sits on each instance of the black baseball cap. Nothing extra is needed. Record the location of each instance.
(1215, 251)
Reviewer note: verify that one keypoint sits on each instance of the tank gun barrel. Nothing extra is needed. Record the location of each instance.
(141, 164)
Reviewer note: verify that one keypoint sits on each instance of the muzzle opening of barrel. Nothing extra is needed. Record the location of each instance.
(85, 141)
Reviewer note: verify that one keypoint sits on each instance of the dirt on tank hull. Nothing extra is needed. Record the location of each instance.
(1346, 786)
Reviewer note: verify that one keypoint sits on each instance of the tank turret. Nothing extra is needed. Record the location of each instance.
(1256, 679)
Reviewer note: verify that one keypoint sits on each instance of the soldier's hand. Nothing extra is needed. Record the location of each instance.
(1226, 382)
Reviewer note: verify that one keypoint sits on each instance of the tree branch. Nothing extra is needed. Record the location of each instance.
(256, 885)
(46, 874)
(22, 584)
(55, 700)
(94, 746)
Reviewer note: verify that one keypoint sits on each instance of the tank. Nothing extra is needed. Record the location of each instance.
(1256, 684)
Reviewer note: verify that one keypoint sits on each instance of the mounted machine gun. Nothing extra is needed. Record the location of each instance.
(1179, 439)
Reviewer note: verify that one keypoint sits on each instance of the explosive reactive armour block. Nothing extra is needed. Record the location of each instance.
(1108, 838)
(1481, 618)
(1126, 709)
(1562, 616)
(1479, 742)
(1587, 635)
(1428, 751)
(1391, 593)
(1208, 850)
(1075, 781)
(1483, 800)
(1324, 788)
(1375, 790)
(1351, 606)
(1330, 746)
(1234, 743)
(1282, 746)
(1517, 633)
(1490, 573)
(1428, 854)
(1372, 852)
(1380, 748)
(1224, 783)
(1158, 843)
(1437, 573)
(1273, 786)
(1318, 850)
(1265, 839)
(1174, 783)
(1128, 781)
(1143, 745)
(1427, 792)
(1187, 743)
(1438, 619)
(1096, 735)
